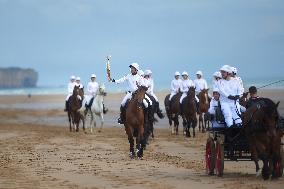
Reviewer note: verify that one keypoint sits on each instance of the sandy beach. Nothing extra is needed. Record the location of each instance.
(38, 151)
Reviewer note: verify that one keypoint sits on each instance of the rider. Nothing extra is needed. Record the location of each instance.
(150, 83)
(216, 76)
(71, 85)
(175, 85)
(254, 98)
(78, 81)
(147, 101)
(92, 89)
(230, 91)
(132, 80)
(200, 84)
(234, 75)
(185, 85)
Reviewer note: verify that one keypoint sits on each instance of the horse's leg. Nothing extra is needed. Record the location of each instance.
(199, 122)
(265, 169)
(131, 141)
(176, 124)
(141, 141)
(188, 128)
(255, 159)
(102, 121)
(193, 124)
(202, 122)
(82, 117)
(69, 118)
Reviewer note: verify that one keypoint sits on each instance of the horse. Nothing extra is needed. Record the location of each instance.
(134, 121)
(189, 111)
(96, 109)
(204, 104)
(73, 111)
(260, 124)
(173, 111)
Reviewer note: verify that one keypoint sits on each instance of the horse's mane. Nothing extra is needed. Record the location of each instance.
(269, 107)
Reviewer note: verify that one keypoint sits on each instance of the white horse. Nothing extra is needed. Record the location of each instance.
(97, 108)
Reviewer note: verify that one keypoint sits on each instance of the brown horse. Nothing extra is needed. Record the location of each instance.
(204, 104)
(173, 111)
(189, 111)
(134, 121)
(74, 105)
(260, 124)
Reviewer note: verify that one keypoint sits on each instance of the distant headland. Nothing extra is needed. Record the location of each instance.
(14, 77)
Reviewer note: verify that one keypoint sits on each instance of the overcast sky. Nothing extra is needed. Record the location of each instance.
(63, 37)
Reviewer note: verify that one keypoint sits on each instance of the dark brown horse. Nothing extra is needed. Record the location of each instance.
(204, 104)
(189, 111)
(260, 124)
(173, 111)
(134, 121)
(74, 105)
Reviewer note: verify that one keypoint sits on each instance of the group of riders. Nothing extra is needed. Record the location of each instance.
(91, 91)
(227, 89)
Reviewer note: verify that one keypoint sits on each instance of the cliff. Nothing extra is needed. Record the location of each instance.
(17, 78)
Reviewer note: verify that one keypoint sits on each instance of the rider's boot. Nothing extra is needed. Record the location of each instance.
(121, 119)
(159, 112)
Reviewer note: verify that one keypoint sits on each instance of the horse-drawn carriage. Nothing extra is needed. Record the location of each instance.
(240, 143)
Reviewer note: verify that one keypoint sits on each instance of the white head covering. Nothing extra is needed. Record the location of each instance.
(135, 65)
(199, 73)
(184, 73)
(78, 79)
(93, 75)
(140, 72)
(217, 74)
(226, 68)
(234, 70)
(215, 89)
(177, 73)
(147, 72)
(72, 77)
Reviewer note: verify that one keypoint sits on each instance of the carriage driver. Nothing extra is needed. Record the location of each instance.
(71, 85)
(150, 83)
(230, 91)
(92, 89)
(132, 79)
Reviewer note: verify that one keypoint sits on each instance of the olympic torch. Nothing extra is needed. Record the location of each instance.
(108, 68)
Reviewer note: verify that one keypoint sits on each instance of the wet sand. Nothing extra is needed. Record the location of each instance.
(38, 151)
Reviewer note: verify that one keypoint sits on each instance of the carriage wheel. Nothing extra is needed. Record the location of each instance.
(219, 166)
(210, 156)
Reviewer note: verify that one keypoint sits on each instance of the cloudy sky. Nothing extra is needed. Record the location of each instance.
(63, 37)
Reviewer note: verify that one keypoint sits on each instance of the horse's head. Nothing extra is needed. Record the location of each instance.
(77, 91)
(191, 92)
(244, 99)
(203, 95)
(101, 90)
(264, 112)
(139, 94)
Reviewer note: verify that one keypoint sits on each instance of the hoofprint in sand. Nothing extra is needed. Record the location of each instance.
(38, 151)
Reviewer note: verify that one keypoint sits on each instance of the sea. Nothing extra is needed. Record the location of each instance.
(162, 85)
